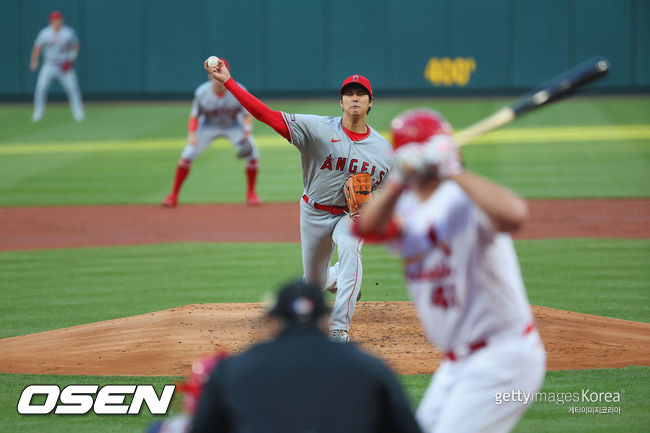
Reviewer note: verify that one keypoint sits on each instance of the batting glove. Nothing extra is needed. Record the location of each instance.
(442, 157)
(438, 158)
(409, 162)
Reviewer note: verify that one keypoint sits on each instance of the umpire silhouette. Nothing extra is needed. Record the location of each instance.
(300, 381)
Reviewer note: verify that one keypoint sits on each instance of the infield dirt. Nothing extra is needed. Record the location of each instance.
(165, 342)
(27, 228)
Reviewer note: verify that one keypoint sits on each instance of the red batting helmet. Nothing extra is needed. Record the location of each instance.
(56, 15)
(418, 126)
(199, 375)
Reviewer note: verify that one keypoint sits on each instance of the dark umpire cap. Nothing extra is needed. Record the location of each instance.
(299, 301)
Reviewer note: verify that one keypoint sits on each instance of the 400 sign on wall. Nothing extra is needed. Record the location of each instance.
(450, 72)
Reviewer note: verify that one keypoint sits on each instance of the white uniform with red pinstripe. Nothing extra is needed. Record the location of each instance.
(329, 156)
(466, 284)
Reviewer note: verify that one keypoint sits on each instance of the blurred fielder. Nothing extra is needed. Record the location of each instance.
(452, 229)
(60, 47)
(216, 113)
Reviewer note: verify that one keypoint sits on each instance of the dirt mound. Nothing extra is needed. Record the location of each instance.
(164, 343)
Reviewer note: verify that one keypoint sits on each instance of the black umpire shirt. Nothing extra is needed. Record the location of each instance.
(301, 382)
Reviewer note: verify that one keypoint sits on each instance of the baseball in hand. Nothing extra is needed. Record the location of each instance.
(213, 61)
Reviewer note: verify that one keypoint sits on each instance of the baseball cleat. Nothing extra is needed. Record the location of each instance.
(339, 336)
(252, 199)
(170, 201)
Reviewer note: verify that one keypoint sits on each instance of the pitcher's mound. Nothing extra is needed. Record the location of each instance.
(165, 343)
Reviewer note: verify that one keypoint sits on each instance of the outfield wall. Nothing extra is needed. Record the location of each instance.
(154, 48)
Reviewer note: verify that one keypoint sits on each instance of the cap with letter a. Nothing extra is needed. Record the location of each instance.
(56, 15)
(357, 79)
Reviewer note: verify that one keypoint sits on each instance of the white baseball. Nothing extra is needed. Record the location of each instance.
(213, 61)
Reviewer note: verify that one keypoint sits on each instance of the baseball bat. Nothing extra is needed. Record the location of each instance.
(549, 91)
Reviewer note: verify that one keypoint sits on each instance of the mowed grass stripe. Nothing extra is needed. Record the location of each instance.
(607, 277)
(514, 135)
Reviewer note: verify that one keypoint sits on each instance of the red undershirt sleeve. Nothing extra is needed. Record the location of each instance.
(258, 109)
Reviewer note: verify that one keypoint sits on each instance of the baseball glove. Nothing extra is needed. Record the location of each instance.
(358, 190)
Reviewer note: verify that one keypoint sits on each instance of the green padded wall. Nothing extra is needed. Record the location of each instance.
(155, 48)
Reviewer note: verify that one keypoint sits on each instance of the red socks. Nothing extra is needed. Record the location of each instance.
(251, 174)
(182, 170)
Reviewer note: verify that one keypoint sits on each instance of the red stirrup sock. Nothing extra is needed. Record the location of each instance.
(251, 174)
(182, 170)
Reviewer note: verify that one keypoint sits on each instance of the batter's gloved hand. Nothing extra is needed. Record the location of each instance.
(409, 162)
(438, 158)
(442, 154)
(66, 66)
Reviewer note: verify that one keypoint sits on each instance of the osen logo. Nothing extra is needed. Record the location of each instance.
(81, 399)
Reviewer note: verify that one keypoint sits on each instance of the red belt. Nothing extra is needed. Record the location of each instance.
(334, 210)
(452, 356)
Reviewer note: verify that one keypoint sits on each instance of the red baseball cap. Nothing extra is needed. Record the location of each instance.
(56, 15)
(357, 79)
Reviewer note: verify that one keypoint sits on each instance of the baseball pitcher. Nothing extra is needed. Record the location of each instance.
(331, 149)
(452, 229)
(60, 47)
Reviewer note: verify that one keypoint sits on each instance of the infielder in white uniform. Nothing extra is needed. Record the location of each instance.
(331, 149)
(60, 46)
(452, 229)
(216, 113)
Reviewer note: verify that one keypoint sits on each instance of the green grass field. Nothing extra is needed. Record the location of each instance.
(543, 417)
(560, 273)
(126, 153)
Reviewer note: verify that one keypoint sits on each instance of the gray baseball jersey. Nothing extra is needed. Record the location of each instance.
(329, 156)
(56, 46)
(220, 111)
